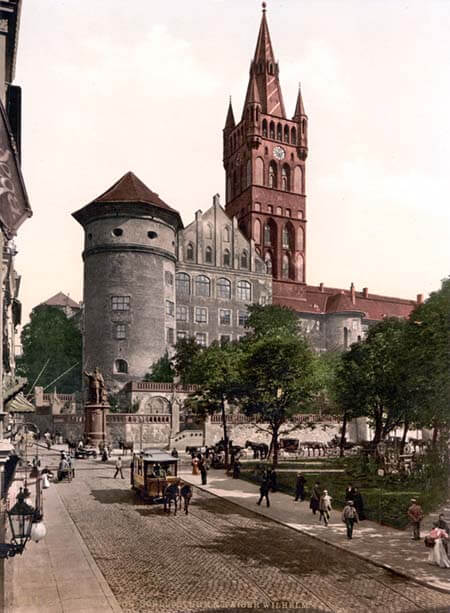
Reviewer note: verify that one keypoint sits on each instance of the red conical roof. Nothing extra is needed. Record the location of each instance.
(131, 189)
(230, 123)
(299, 108)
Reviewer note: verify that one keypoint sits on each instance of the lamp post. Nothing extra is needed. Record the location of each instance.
(21, 521)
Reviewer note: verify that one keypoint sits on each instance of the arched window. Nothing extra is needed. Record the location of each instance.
(208, 255)
(182, 284)
(202, 286)
(298, 180)
(268, 262)
(267, 235)
(285, 267)
(288, 237)
(244, 291)
(286, 134)
(300, 239)
(259, 171)
(272, 130)
(249, 173)
(285, 178)
(285, 237)
(264, 127)
(257, 231)
(300, 268)
(226, 234)
(244, 259)
(272, 174)
(293, 136)
(223, 289)
(304, 127)
(279, 132)
(209, 231)
(121, 366)
(226, 258)
(190, 252)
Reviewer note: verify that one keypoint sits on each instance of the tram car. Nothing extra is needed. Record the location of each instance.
(152, 470)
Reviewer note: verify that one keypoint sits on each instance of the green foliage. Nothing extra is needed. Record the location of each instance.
(50, 335)
(325, 369)
(161, 371)
(271, 320)
(185, 361)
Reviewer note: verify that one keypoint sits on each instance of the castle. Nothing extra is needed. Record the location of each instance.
(149, 281)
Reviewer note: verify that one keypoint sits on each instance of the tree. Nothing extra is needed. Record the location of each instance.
(51, 336)
(162, 370)
(271, 320)
(219, 365)
(277, 374)
(185, 361)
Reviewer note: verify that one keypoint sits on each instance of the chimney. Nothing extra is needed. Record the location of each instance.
(419, 298)
(321, 287)
(216, 200)
(365, 292)
(352, 293)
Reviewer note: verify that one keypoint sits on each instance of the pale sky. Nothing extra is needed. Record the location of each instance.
(111, 86)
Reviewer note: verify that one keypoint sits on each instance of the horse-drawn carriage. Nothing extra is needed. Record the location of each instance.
(152, 471)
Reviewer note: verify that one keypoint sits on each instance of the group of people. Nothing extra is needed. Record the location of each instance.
(200, 466)
(65, 467)
(436, 539)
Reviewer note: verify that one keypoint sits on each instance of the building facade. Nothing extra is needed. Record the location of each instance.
(219, 273)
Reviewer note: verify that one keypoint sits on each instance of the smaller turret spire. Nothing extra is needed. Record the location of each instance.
(299, 108)
(252, 96)
(230, 123)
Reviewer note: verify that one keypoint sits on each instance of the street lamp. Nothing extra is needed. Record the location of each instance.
(21, 520)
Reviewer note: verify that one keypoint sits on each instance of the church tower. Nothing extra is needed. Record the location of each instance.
(264, 158)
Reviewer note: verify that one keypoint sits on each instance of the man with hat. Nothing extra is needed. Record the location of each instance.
(415, 515)
(350, 517)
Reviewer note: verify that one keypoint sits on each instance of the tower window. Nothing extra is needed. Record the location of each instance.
(244, 291)
(272, 130)
(168, 277)
(190, 252)
(226, 258)
(170, 308)
(170, 336)
(121, 366)
(117, 231)
(223, 289)
(293, 136)
(120, 303)
(202, 286)
(183, 284)
(267, 235)
(152, 234)
(120, 331)
(272, 175)
(268, 262)
(264, 128)
(285, 267)
(286, 134)
(345, 338)
(244, 259)
(279, 132)
(208, 255)
(285, 178)
(285, 238)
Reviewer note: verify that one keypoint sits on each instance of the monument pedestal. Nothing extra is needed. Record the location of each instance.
(95, 422)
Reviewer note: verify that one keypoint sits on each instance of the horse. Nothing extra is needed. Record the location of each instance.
(126, 446)
(186, 495)
(172, 493)
(260, 450)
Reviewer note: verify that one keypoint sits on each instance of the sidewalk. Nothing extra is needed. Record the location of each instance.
(387, 547)
(58, 574)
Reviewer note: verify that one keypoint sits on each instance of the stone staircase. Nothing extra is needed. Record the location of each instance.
(187, 438)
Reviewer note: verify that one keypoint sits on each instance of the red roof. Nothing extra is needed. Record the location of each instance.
(61, 300)
(313, 299)
(131, 189)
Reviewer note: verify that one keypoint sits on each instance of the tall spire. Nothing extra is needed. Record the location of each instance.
(299, 108)
(229, 122)
(265, 70)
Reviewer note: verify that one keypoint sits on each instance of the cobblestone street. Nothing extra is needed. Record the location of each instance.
(222, 557)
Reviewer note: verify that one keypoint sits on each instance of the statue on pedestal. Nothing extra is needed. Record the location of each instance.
(97, 388)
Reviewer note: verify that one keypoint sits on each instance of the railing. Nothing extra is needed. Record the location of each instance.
(301, 418)
(151, 386)
(74, 419)
(120, 418)
(61, 397)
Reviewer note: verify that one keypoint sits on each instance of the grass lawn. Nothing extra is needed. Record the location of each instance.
(386, 499)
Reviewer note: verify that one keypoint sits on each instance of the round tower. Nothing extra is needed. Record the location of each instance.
(129, 280)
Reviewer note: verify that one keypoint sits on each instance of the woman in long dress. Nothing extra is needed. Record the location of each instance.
(195, 469)
(438, 555)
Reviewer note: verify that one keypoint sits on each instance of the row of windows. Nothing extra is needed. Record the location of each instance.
(285, 178)
(202, 337)
(290, 268)
(226, 257)
(202, 285)
(270, 235)
(225, 316)
(119, 232)
(272, 130)
(278, 210)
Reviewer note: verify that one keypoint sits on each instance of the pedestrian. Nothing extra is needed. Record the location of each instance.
(195, 463)
(349, 517)
(349, 492)
(264, 492)
(174, 453)
(436, 540)
(70, 464)
(119, 467)
(359, 503)
(315, 499)
(104, 455)
(236, 470)
(415, 515)
(443, 525)
(273, 479)
(300, 487)
(324, 507)
(203, 472)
